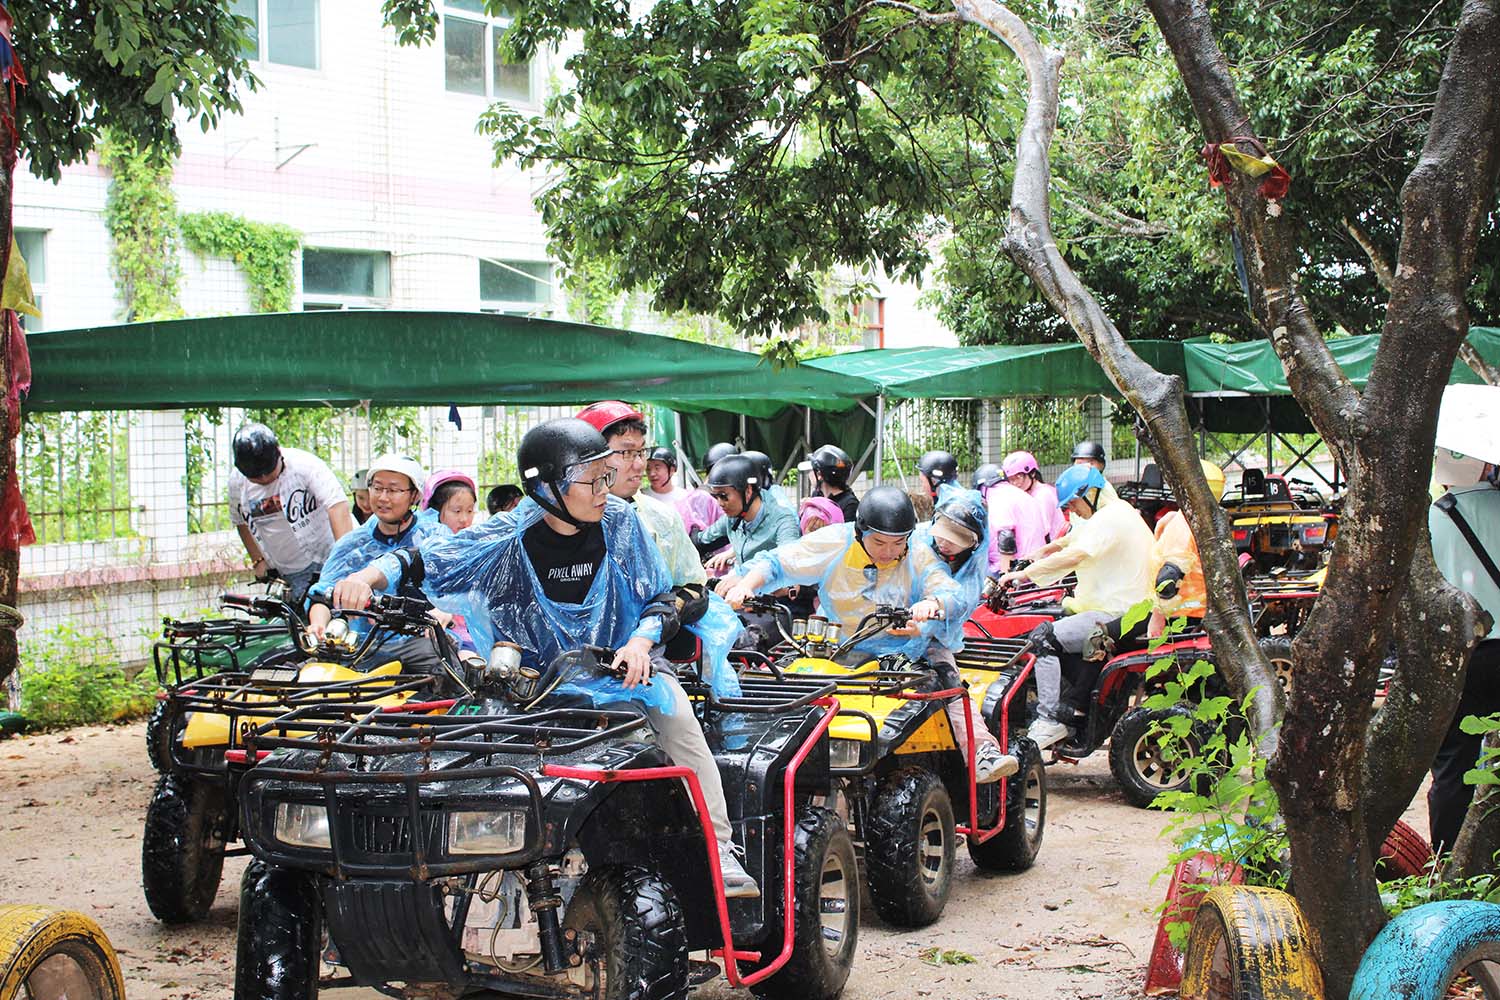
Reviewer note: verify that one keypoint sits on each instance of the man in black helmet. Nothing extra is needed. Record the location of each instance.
(1092, 453)
(753, 521)
(661, 472)
(570, 566)
(937, 468)
(287, 505)
(831, 469)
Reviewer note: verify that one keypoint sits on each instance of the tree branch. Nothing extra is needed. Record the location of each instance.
(1378, 262)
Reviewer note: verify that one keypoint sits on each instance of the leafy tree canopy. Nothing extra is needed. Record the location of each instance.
(723, 153)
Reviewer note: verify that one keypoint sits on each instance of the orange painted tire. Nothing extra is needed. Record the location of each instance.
(1250, 943)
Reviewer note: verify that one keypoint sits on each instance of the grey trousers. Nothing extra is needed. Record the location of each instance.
(681, 737)
(1070, 633)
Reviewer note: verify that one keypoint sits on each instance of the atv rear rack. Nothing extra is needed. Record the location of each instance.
(767, 693)
(198, 649)
(986, 653)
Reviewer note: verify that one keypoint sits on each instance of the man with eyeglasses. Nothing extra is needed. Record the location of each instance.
(287, 505)
(395, 485)
(570, 566)
(624, 430)
(753, 521)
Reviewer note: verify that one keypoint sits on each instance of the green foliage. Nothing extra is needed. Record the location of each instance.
(71, 678)
(75, 475)
(263, 251)
(127, 65)
(141, 215)
(1486, 770)
(1397, 895)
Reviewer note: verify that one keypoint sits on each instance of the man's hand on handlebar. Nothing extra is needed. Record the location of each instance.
(634, 659)
(1010, 579)
(925, 610)
(719, 561)
(318, 617)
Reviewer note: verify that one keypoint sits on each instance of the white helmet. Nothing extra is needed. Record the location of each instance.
(401, 465)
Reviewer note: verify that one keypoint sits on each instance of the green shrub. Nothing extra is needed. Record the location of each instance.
(72, 678)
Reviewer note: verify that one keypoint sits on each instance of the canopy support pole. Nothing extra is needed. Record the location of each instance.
(879, 438)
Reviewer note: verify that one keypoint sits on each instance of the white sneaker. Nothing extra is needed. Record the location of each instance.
(1045, 732)
(737, 882)
(992, 765)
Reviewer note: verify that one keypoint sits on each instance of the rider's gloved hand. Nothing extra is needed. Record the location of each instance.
(635, 658)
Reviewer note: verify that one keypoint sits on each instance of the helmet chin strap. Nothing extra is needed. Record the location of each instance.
(560, 510)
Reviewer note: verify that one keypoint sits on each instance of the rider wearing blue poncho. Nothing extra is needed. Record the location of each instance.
(873, 562)
(569, 567)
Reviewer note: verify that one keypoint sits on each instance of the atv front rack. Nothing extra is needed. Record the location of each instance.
(197, 649)
(258, 697)
(986, 653)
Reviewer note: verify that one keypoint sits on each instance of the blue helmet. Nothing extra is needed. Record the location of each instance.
(1075, 479)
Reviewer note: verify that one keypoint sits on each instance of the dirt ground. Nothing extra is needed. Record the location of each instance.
(1078, 926)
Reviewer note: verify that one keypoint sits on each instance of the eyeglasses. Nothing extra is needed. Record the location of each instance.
(629, 454)
(388, 491)
(598, 485)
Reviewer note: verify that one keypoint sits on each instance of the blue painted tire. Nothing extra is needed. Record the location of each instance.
(1420, 953)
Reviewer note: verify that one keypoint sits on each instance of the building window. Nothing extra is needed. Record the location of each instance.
(869, 318)
(345, 279)
(282, 31)
(33, 246)
(515, 287)
(473, 63)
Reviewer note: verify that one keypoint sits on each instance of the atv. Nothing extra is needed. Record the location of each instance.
(210, 700)
(898, 769)
(1280, 522)
(529, 843)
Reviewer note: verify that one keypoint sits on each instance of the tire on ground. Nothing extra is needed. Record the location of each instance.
(638, 927)
(159, 738)
(53, 953)
(1135, 757)
(182, 848)
(1014, 849)
(1404, 852)
(1278, 650)
(280, 935)
(1424, 950)
(826, 931)
(1249, 943)
(909, 847)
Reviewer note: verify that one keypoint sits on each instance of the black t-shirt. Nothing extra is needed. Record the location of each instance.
(565, 564)
(848, 503)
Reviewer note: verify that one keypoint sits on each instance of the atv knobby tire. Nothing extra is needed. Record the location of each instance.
(56, 953)
(640, 939)
(159, 738)
(826, 932)
(1014, 849)
(1136, 758)
(182, 849)
(280, 935)
(909, 845)
(1278, 651)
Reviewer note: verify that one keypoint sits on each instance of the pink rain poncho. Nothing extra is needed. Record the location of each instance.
(1017, 512)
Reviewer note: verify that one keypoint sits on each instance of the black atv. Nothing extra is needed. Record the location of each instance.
(210, 700)
(529, 844)
(899, 769)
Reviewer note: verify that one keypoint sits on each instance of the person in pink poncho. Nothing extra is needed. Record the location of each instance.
(1016, 523)
(1022, 472)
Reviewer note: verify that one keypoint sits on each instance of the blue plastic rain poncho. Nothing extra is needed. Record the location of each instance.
(850, 585)
(363, 546)
(968, 579)
(664, 527)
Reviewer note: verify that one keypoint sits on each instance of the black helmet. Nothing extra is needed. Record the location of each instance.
(762, 462)
(1091, 450)
(256, 451)
(663, 454)
(721, 450)
(831, 465)
(885, 510)
(965, 510)
(987, 475)
(549, 452)
(738, 472)
(938, 467)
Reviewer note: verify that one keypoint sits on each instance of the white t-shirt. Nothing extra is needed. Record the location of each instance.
(289, 516)
(670, 499)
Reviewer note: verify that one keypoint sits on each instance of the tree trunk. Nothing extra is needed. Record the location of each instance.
(1384, 439)
(10, 555)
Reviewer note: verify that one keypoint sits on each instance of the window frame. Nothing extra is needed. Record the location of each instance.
(542, 307)
(263, 37)
(493, 27)
(32, 324)
(332, 301)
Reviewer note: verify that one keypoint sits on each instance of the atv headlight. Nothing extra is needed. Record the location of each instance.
(502, 832)
(299, 824)
(843, 753)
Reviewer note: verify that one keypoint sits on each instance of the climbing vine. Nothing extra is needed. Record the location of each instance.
(263, 251)
(141, 214)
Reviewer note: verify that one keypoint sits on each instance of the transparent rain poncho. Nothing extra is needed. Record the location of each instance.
(850, 585)
(967, 582)
(664, 527)
(363, 546)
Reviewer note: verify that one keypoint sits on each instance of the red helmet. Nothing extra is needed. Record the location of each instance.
(606, 413)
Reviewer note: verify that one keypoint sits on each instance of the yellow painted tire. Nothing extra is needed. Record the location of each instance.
(1250, 943)
(48, 954)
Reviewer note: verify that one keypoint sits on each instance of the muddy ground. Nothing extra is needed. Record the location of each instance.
(1077, 926)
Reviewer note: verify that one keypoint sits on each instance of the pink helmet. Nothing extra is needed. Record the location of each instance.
(442, 476)
(1017, 462)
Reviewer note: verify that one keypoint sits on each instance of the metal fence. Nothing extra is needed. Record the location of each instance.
(74, 471)
(500, 431)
